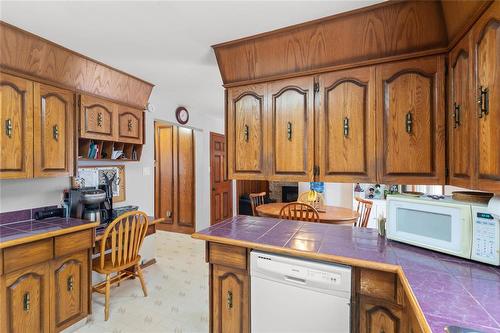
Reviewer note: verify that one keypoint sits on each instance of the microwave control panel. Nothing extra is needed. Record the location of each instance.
(486, 238)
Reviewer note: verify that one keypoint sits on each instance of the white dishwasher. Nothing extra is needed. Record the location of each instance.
(296, 295)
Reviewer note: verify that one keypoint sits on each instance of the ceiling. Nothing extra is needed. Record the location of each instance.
(164, 42)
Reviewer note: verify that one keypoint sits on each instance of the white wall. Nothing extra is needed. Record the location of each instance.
(336, 194)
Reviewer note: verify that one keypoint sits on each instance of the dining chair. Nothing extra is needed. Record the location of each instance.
(364, 208)
(316, 200)
(124, 237)
(256, 199)
(299, 211)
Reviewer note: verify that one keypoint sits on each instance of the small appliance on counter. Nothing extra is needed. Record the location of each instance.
(467, 230)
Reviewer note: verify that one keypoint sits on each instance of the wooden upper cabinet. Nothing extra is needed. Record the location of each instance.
(460, 115)
(486, 39)
(16, 127)
(53, 131)
(346, 151)
(97, 118)
(130, 125)
(291, 128)
(411, 124)
(246, 137)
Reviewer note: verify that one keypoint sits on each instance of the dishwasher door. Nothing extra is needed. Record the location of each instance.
(295, 295)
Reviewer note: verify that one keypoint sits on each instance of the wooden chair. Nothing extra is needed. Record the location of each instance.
(256, 199)
(125, 234)
(299, 211)
(364, 208)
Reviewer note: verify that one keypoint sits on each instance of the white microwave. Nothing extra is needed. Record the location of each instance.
(449, 226)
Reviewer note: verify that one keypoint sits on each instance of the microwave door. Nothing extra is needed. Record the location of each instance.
(444, 228)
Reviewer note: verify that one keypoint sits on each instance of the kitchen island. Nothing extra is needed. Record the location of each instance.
(396, 287)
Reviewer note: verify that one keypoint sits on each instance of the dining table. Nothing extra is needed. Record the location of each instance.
(329, 214)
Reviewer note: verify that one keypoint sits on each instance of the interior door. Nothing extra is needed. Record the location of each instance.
(175, 178)
(221, 197)
(292, 129)
(16, 127)
(54, 131)
(347, 126)
(486, 38)
(411, 130)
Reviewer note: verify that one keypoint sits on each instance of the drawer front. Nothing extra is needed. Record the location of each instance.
(379, 284)
(228, 255)
(129, 125)
(73, 242)
(25, 255)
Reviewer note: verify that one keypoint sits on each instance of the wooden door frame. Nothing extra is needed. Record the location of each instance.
(212, 134)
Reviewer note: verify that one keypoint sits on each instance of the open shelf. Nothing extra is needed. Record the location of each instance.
(101, 150)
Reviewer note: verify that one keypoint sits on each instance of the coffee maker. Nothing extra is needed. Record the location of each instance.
(93, 204)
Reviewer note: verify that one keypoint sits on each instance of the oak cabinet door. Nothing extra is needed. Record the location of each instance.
(486, 38)
(97, 119)
(246, 137)
(230, 300)
(460, 116)
(411, 130)
(16, 127)
(347, 126)
(130, 125)
(70, 289)
(53, 131)
(291, 128)
(377, 318)
(27, 300)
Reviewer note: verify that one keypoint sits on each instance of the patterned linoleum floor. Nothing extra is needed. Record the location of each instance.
(177, 287)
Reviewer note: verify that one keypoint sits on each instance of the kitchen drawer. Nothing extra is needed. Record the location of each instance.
(25, 255)
(228, 255)
(74, 242)
(379, 284)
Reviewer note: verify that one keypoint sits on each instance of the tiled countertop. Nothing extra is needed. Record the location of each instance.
(449, 290)
(31, 230)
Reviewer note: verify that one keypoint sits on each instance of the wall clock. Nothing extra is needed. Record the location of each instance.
(182, 115)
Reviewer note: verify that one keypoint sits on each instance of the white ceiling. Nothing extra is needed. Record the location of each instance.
(166, 43)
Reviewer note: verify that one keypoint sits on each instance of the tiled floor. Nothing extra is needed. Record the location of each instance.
(178, 293)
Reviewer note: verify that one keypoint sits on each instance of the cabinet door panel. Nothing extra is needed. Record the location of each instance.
(27, 300)
(292, 126)
(246, 135)
(411, 136)
(376, 318)
(487, 52)
(230, 300)
(460, 116)
(129, 125)
(347, 126)
(97, 118)
(16, 127)
(54, 131)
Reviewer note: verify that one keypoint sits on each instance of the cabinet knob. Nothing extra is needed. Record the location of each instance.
(409, 122)
(229, 299)
(289, 131)
(99, 119)
(346, 127)
(246, 132)
(69, 283)
(55, 132)
(26, 302)
(456, 115)
(483, 102)
(8, 127)
(130, 125)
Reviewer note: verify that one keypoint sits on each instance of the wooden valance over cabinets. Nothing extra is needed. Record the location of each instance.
(27, 54)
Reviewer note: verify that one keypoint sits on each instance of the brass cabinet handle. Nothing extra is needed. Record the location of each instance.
(69, 283)
(130, 125)
(346, 127)
(26, 302)
(289, 131)
(483, 102)
(246, 132)
(456, 115)
(229, 300)
(99, 119)
(8, 127)
(409, 122)
(55, 132)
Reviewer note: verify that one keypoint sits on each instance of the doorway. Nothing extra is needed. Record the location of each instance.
(175, 177)
(221, 197)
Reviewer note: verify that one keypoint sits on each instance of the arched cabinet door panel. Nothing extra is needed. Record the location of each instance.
(347, 126)
(486, 48)
(460, 115)
(377, 318)
(246, 137)
(16, 127)
(291, 129)
(411, 122)
(53, 131)
(97, 119)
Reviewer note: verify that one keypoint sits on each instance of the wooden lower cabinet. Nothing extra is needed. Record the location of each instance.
(378, 316)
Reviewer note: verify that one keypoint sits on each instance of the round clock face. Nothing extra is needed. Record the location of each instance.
(182, 115)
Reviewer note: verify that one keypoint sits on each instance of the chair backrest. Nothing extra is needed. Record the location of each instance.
(125, 234)
(318, 202)
(364, 208)
(256, 199)
(299, 211)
